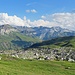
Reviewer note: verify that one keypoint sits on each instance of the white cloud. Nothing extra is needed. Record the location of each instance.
(65, 20)
(28, 11)
(39, 22)
(43, 17)
(12, 20)
(31, 11)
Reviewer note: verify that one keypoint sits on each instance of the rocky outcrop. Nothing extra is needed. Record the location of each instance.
(6, 29)
(46, 33)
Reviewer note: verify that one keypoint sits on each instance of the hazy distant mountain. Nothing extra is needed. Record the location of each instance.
(46, 33)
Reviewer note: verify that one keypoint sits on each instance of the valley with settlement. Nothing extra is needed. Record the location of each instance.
(24, 46)
(37, 37)
(30, 43)
(53, 46)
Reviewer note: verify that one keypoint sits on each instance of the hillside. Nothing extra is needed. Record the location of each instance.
(15, 38)
(12, 39)
(58, 42)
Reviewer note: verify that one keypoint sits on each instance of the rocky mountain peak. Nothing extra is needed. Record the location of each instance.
(6, 29)
(46, 33)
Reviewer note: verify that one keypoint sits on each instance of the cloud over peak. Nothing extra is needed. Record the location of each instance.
(12, 20)
(65, 20)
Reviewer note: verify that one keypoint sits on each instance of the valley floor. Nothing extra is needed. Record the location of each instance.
(14, 66)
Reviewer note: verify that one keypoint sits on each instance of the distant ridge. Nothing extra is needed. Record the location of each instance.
(58, 42)
(46, 33)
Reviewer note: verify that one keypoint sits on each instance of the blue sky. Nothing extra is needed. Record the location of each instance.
(38, 13)
(43, 7)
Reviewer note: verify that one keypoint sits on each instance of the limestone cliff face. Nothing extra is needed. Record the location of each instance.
(6, 29)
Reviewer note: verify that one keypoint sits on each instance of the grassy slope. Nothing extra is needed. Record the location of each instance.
(58, 42)
(34, 67)
(15, 40)
(12, 36)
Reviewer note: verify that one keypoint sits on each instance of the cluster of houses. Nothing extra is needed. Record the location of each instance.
(44, 54)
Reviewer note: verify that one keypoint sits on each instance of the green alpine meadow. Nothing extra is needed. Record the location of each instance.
(14, 66)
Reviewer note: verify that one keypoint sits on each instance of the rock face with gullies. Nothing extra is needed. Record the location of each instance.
(46, 33)
(6, 29)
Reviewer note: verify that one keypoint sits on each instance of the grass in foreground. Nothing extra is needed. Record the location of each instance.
(13, 66)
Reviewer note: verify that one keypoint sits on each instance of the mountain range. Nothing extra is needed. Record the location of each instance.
(45, 33)
(12, 39)
(18, 37)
